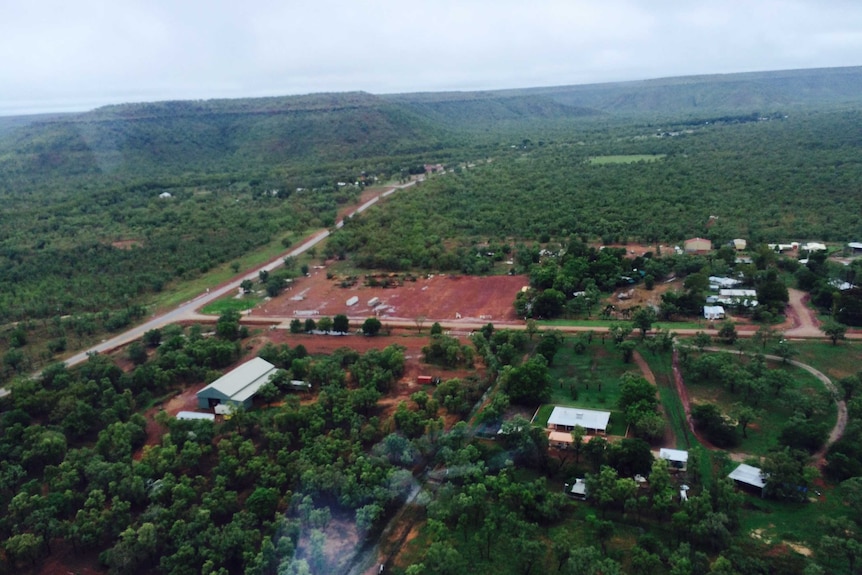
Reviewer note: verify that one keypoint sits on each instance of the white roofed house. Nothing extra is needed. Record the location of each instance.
(676, 458)
(713, 312)
(237, 387)
(566, 418)
(749, 477)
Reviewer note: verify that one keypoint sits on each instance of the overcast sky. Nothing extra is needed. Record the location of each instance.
(62, 55)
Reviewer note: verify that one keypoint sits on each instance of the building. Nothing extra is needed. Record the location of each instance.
(566, 418)
(578, 489)
(713, 312)
(195, 415)
(749, 477)
(739, 244)
(237, 387)
(855, 248)
(676, 458)
(813, 247)
(697, 246)
(719, 282)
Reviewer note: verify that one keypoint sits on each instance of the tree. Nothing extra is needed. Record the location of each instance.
(578, 434)
(834, 330)
(419, 320)
(643, 319)
(785, 351)
(371, 326)
(137, 353)
(325, 324)
(744, 415)
(296, 325)
(727, 333)
(548, 345)
(227, 326)
(341, 323)
(786, 475)
(246, 285)
(702, 340)
(528, 383)
(619, 332)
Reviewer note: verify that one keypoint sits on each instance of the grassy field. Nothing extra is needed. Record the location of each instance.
(231, 303)
(836, 361)
(764, 431)
(626, 159)
(594, 375)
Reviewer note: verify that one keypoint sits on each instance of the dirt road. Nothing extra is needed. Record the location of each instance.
(803, 321)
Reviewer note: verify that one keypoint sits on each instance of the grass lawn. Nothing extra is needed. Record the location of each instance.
(231, 303)
(764, 431)
(594, 375)
(776, 521)
(836, 361)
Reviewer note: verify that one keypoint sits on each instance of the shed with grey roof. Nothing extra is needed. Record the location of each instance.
(237, 387)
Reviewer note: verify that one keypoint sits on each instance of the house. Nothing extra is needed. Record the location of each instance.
(855, 248)
(697, 246)
(566, 418)
(749, 477)
(719, 282)
(165, 195)
(713, 312)
(813, 247)
(676, 459)
(738, 297)
(578, 489)
(739, 244)
(237, 387)
(195, 415)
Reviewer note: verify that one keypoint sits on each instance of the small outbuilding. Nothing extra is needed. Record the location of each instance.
(237, 387)
(713, 312)
(578, 489)
(566, 418)
(749, 477)
(855, 248)
(195, 415)
(697, 246)
(676, 459)
(739, 244)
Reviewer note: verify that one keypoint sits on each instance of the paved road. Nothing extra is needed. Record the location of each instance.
(186, 311)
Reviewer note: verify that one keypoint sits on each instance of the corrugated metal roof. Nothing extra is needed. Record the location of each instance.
(586, 418)
(244, 381)
(673, 454)
(748, 475)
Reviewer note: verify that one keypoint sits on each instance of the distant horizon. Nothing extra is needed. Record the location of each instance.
(78, 108)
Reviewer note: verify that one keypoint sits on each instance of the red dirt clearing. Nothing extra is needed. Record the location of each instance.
(444, 297)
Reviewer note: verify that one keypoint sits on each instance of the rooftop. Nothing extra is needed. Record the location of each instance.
(586, 418)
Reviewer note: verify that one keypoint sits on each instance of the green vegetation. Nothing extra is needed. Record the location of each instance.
(112, 213)
(630, 159)
(230, 304)
(768, 404)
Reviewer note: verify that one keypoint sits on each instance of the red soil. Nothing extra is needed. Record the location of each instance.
(436, 296)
